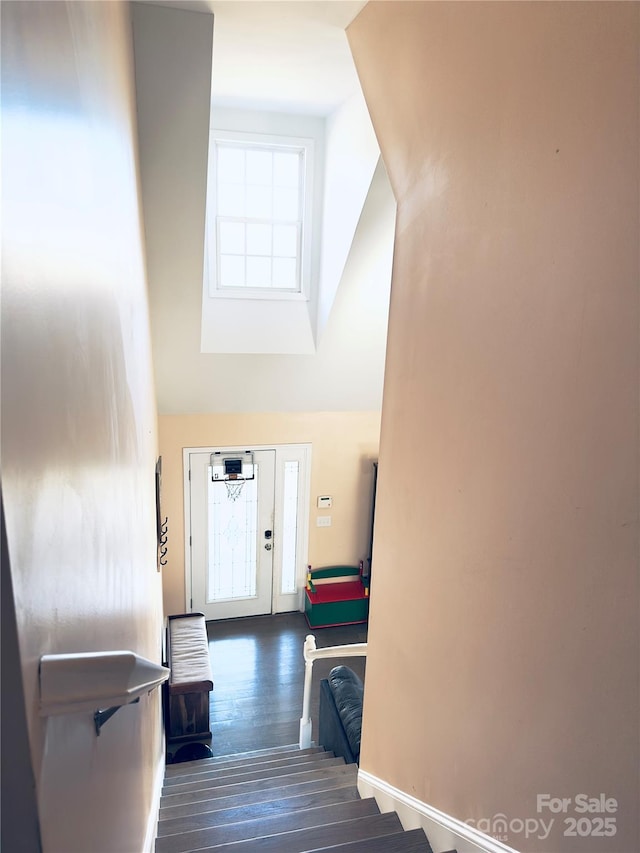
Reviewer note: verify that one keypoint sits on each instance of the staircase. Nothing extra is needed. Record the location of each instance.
(283, 800)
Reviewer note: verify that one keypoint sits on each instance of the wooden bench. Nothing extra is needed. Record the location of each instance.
(190, 681)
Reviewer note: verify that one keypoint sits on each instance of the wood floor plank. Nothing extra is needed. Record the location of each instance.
(320, 816)
(258, 671)
(228, 738)
(257, 810)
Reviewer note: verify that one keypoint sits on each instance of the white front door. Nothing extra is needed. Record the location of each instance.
(246, 539)
(232, 538)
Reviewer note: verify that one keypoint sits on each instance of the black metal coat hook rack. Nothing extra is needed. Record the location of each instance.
(164, 548)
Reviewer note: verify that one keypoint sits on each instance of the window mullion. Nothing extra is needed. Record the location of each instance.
(246, 178)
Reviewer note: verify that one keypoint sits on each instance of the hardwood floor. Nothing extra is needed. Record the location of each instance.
(258, 676)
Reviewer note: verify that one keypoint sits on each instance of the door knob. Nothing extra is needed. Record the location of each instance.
(267, 547)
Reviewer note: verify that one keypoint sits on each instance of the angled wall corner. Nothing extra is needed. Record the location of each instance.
(351, 156)
(173, 50)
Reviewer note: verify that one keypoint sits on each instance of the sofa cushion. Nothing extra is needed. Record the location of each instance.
(348, 691)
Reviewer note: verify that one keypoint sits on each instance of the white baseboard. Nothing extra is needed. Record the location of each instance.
(154, 811)
(443, 831)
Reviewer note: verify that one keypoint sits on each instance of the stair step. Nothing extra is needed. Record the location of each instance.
(219, 817)
(206, 785)
(411, 841)
(260, 791)
(265, 750)
(245, 753)
(213, 773)
(275, 800)
(297, 820)
(204, 765)
(319, 837)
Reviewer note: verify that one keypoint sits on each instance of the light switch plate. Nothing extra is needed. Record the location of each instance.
(323, 521)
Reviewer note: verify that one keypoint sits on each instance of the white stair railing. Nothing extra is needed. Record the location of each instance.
(311, 654)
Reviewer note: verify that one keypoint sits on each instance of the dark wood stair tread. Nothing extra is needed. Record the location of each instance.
(300, 840)
(205, 765)
(276, 801)
(249, 753)
(250, 776)
(411, 841)
(246, 793)
(253, 770)
(238, 784)
(253, 795)
(299, 819)
(219, 817)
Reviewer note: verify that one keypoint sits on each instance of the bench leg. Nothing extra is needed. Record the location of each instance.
(188, 716)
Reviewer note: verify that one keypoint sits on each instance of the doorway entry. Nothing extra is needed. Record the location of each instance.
(246, 518)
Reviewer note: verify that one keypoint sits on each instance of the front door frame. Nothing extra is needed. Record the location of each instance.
(305, 510)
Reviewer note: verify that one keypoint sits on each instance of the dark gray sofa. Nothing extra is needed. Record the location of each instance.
(340, 721)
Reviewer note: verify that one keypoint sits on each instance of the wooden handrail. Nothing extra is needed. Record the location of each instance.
(92, 681)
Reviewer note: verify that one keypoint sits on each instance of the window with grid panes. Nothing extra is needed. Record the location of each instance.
(260, 209)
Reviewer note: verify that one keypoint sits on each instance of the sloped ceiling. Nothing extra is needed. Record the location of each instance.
(283, 56)
(266, 55)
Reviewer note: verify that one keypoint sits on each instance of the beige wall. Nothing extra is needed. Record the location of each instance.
(504, 606)
(78, 410)
(344, 444)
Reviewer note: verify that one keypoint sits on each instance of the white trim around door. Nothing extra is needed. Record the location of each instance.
(291, 517)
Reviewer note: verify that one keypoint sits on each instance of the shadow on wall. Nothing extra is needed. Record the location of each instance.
(19, 830)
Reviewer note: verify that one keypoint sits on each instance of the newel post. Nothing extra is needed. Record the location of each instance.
(305, 721)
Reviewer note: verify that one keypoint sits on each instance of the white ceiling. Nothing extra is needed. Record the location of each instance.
(289, 56)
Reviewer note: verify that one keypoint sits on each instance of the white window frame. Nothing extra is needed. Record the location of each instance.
(210, 260)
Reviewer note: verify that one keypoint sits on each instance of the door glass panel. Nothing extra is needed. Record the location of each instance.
(233, 533)
(290, 527)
